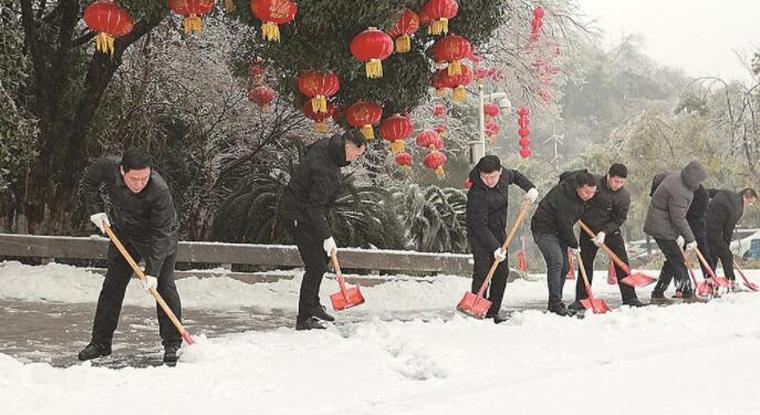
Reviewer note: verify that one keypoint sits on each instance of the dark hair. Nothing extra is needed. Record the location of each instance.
(748, 192)
(355, 136)
(585, 178)
(488, 164)
(618, 170)
(135, 159)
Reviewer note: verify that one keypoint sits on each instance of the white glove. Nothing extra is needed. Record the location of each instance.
(598, 240)
(99, 219)
(691, 246)
(500, 254)
(575, 251)
(680, 241)
(149, 282)
(329, 246)
(532, 195)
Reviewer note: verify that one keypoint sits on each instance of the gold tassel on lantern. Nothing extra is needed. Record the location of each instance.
(229, 5)
(369, 134)
(439, 26)
(270, 31)
(104, 43)
(459, 93)
(374, 68)
(192, 23)
(397, 146)
(440, 172)
(455, 68)
(319, 103)
(403, 44)
(320, 127)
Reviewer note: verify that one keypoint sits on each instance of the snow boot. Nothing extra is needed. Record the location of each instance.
(170, 353)
(576, 306)
(560, 310)
(94, 350)
(660, 299)
(310, 323)
(634, 302)
(320, 312)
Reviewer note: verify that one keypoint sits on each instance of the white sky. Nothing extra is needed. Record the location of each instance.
(697, 36)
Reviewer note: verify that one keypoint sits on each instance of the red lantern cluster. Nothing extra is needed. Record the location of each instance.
(273, 13)
(192, 11)
(436, 13)
(451, 50)
(364, 115)
(372, 46)
(523, 121)
(442, 81)
(396, 129)
(320, 86)
(320, 118)
(537, 23)
(108, 21)
(407, 25)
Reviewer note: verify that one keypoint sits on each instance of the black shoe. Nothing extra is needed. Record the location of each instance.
(634, 302)
(660, 299)
(560, 310)
(310, 323)
(170, 352)
(321, 313)
(576, 306)
(93, 350)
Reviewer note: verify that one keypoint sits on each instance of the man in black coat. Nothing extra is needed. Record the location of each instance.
(486, 217)
(145, 221)
(303, 211)
(552, 228)
(606, 213)
(723, 213)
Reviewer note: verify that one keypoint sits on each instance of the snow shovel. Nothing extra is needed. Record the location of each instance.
(476, 305)
(720, 282)
(180, 328)
(347, 297)
(597, 305)
(634, 279)
(703, 289)
(747, 283)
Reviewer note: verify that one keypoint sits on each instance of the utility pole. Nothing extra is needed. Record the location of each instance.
(478, 147)
(558, 140)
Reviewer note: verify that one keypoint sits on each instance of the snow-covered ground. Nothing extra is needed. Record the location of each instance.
(683, 359)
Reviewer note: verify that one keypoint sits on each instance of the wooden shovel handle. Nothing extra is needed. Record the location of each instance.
(606, 249)
(516, 225)
(117, 243)
(583, 274)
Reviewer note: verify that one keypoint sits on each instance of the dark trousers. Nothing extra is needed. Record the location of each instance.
(719, 249)
(701, 237)
(557, 264)
(674, 266)
(112, 296)
(315, 262)
(495, 291)
(588, 254)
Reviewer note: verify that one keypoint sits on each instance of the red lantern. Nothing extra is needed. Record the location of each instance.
(192, 11)
(442, 79)
(407, 24)
(452, 49)
(491, 109)
(372, 46)
(435, 161)
(261, 95)
(273, 13)
(439, 12)
(439, 110)
(364, 115)
(536, 23)
(429, 139)
(396, 129)
(404, 160)
(108, 21)
(319, 117)
(523, 121)
(492, 130)
(318, 85)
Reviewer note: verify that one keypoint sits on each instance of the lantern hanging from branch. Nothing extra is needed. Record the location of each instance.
(396, 129)
(273, 13)
(442, 79)
(429, 139)
(320, 118)
(108, 21)
(372, 46)
(363, 115)
(452, 49)
(491, 110)
(404, 160)
(192, 11)
(261, 95)
(408, 23)
(320, 86)
(435, 160)
(439, 12)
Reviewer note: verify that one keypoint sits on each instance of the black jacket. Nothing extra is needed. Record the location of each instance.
(486, 214)
(315, 185)
(559, 210)
(607, 210)
(723, 213)
(147, 219)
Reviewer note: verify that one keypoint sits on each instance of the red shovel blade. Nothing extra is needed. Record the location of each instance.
(638, 279)
(751, 285)
(346, 298)
(722, 282)
(474, 305)
(597, 305)
(705, 290)
(185, 335)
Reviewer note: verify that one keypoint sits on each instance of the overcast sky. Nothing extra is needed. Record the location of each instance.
(698, 36)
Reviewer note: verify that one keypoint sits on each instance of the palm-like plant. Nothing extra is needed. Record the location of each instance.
(434, 218)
